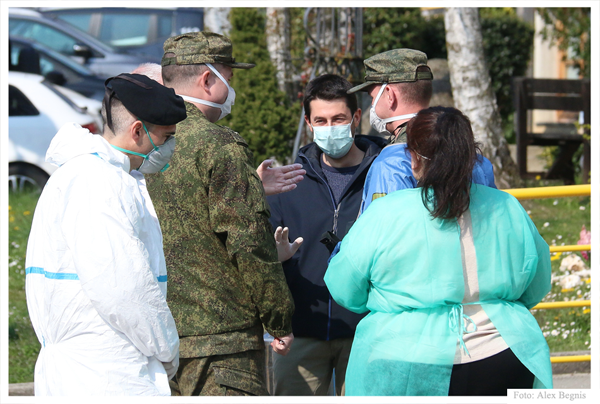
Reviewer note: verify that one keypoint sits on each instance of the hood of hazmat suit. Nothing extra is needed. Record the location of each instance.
(96, 277)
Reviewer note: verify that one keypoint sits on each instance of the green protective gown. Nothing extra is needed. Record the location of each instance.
(406, 269)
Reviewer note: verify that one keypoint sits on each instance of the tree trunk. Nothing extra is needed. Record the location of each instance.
(472, 91)
(278, 42)
(216, 19)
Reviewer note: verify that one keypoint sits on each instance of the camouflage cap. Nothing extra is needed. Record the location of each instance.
(195, 48)
(395, 66)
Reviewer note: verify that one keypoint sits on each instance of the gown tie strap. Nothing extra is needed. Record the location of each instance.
(458, 323)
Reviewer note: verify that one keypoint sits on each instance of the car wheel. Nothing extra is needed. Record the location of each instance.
(26, 178)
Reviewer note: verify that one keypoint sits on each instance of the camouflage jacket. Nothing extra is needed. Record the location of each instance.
(400, 137)
(225, 281)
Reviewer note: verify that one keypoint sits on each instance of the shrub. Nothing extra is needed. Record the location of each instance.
(507, 44)
(262, 113)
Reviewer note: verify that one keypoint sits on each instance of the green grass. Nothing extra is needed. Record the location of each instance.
(23, 344)
(559, 222)
(564, 218)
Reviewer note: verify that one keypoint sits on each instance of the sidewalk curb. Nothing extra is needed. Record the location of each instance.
(26, 389)
(571, 367)
(20, 389)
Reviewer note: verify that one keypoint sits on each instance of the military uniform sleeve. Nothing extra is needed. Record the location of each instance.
(239, 215)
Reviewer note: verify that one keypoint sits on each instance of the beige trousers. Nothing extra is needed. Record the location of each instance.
(308, 368)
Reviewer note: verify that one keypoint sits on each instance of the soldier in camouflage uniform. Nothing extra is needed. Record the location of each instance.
(400, 83)
(225, 281)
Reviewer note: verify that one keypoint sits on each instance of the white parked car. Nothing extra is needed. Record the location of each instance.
(37, 110)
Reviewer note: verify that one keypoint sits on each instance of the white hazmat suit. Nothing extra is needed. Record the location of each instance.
(96, 276)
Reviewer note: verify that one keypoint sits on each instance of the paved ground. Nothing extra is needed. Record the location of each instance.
(572, 381)
(561, 381)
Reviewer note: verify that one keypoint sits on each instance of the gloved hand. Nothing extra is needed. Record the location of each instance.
(285, 249)
(171, 367)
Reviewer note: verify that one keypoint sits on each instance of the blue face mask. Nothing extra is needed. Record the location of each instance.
(334, 141)
(158, 158)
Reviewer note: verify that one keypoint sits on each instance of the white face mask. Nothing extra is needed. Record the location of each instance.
(380, 124)
(157, 159)
(335, 141)
(226, 106)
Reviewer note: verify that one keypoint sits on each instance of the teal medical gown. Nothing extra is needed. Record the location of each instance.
(406, 269)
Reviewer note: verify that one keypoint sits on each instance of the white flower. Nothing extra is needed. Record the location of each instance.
(582, 208)
(572, 263)
(555, 202)
(570, 281)
(546, 224)
(558, 236)
(554, 333)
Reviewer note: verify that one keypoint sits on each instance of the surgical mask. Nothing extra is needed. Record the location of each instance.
(157, 159)
(335, 141)
(226, 106)
(380, 124)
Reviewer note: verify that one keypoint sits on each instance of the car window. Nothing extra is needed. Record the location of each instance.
(165, 25)
(62, 96)
(44, 34)
(80, 21)
(125, 29)
(47, 63)
(19, 104)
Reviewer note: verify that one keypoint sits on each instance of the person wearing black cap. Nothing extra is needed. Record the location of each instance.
(96, 277)
(227, 284)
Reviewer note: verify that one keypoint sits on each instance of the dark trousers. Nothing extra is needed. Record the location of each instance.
(492, 376)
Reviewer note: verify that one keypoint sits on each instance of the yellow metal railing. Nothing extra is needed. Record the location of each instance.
(550, 192)
(572, 358)
(562, 305)
(563, 248)
(559, 192)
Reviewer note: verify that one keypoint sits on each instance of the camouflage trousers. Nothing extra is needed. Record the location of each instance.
(238, 374)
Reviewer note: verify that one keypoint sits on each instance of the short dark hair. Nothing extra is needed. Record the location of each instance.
(445, 138)
(121, 117)
(329, 87)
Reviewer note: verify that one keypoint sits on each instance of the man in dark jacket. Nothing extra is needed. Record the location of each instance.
(328, 199)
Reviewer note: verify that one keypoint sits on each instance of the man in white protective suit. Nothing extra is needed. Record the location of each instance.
(96, 277)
